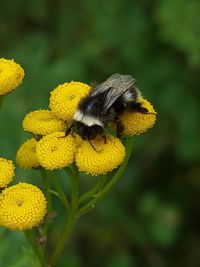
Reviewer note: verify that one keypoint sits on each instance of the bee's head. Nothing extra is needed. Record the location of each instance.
(88, 132)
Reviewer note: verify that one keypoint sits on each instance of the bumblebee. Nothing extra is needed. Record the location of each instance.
(104, 104)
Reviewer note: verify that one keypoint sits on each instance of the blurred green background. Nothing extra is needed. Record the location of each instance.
(151, 218)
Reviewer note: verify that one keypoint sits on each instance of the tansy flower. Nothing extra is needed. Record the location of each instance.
(56, 151)
(104, 158)
(11, 75)
(135, 122)
(26, 154)
(64, 99)
(43, 122)
(22, 207)
(6, 172)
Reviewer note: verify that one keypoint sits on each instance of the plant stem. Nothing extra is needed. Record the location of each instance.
(111, 183)
(59, 190)
(95, 190)
(64, 237)
(36, 249)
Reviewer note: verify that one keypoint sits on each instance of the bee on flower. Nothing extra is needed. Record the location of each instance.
(75, 129)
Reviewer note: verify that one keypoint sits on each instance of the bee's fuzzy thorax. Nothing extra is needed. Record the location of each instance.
(88, 120)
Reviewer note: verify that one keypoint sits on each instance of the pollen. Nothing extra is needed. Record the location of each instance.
(43, 122)
(136, 123)
(11, 75)
(56, 151)
(6, 172)
(64, 99)
(100, 157)
(26, 154)
(22, 207)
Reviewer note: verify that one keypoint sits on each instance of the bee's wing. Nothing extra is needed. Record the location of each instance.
(113, 94)
(114, 87)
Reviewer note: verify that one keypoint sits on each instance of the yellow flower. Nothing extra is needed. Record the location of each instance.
(11, 75)
(6, 172)
(136, 123)
(104, 158)
(22, 207)
(26, 154)
(56, 151)
(64, 99)
(43, 122)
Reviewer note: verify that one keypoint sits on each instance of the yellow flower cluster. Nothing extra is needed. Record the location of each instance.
(6, 172)
(55, 150)
(43, 122)
(22, 207)
(11, 75)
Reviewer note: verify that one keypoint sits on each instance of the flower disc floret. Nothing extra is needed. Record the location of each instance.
(11, 75)
(26, 155)
(22, 207)
(64, 99)
(136, 123)
(56, 151)
(6, 172)
(104, 158)
(43, 122)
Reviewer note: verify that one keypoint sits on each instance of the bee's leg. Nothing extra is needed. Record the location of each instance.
(119, 128)
(104, 137)
(67, 132)
(69, 129)
(137, 107)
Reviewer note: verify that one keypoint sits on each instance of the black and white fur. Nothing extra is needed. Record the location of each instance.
(104, 104)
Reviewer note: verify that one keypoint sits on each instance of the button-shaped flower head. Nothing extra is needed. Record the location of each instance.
(100, 157)
(43, 122)
(64, 99)
(56, 151)
(6, 172)
(22, 207)
(136, 123)
(11, 75)
(26, 154)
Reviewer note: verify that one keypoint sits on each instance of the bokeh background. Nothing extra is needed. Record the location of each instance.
(152, 217)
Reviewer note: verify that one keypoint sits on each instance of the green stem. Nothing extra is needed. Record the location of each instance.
(38, 252)
(64, 237)
(59, 189)
(111, 183)
(94, 191)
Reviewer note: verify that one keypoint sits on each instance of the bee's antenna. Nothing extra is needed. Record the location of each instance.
(92, 145)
